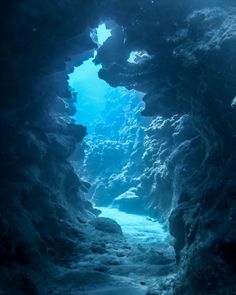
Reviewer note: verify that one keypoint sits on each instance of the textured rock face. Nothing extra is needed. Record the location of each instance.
(154, 156)
(113, 158)
(173, 152)
(192, 71)
(42, 214)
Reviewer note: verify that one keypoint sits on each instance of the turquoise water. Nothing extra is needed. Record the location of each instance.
(137, 227)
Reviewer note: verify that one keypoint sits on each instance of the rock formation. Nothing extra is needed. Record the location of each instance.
(189, 157)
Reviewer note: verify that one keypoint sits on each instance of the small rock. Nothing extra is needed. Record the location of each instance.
(107, 225)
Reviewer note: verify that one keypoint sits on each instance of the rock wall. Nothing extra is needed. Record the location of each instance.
(42, 213)
(191, 73)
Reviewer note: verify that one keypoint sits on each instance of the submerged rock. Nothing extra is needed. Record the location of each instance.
(107, 225)
(129, 202)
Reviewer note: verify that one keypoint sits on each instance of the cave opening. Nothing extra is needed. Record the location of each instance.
(112, 159)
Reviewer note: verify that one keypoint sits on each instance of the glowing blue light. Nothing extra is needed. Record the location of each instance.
(233, 104)
(137, 227)
(132, 57)
(89, 88)
(102, 34)
(90, 92)
(137, 57)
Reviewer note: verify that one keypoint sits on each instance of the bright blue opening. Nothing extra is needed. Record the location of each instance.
(102, 34)
(91, 91)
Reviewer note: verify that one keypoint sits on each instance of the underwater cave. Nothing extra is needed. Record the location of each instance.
(118, 147)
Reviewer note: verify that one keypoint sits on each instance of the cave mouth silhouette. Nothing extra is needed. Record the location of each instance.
(98, 106)
(87, 87)
(111, 161)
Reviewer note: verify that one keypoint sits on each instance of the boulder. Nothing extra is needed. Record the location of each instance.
(107, 225)
(129, 202)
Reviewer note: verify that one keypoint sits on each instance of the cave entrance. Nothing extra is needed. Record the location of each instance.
(112, 161)
(112, 151)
